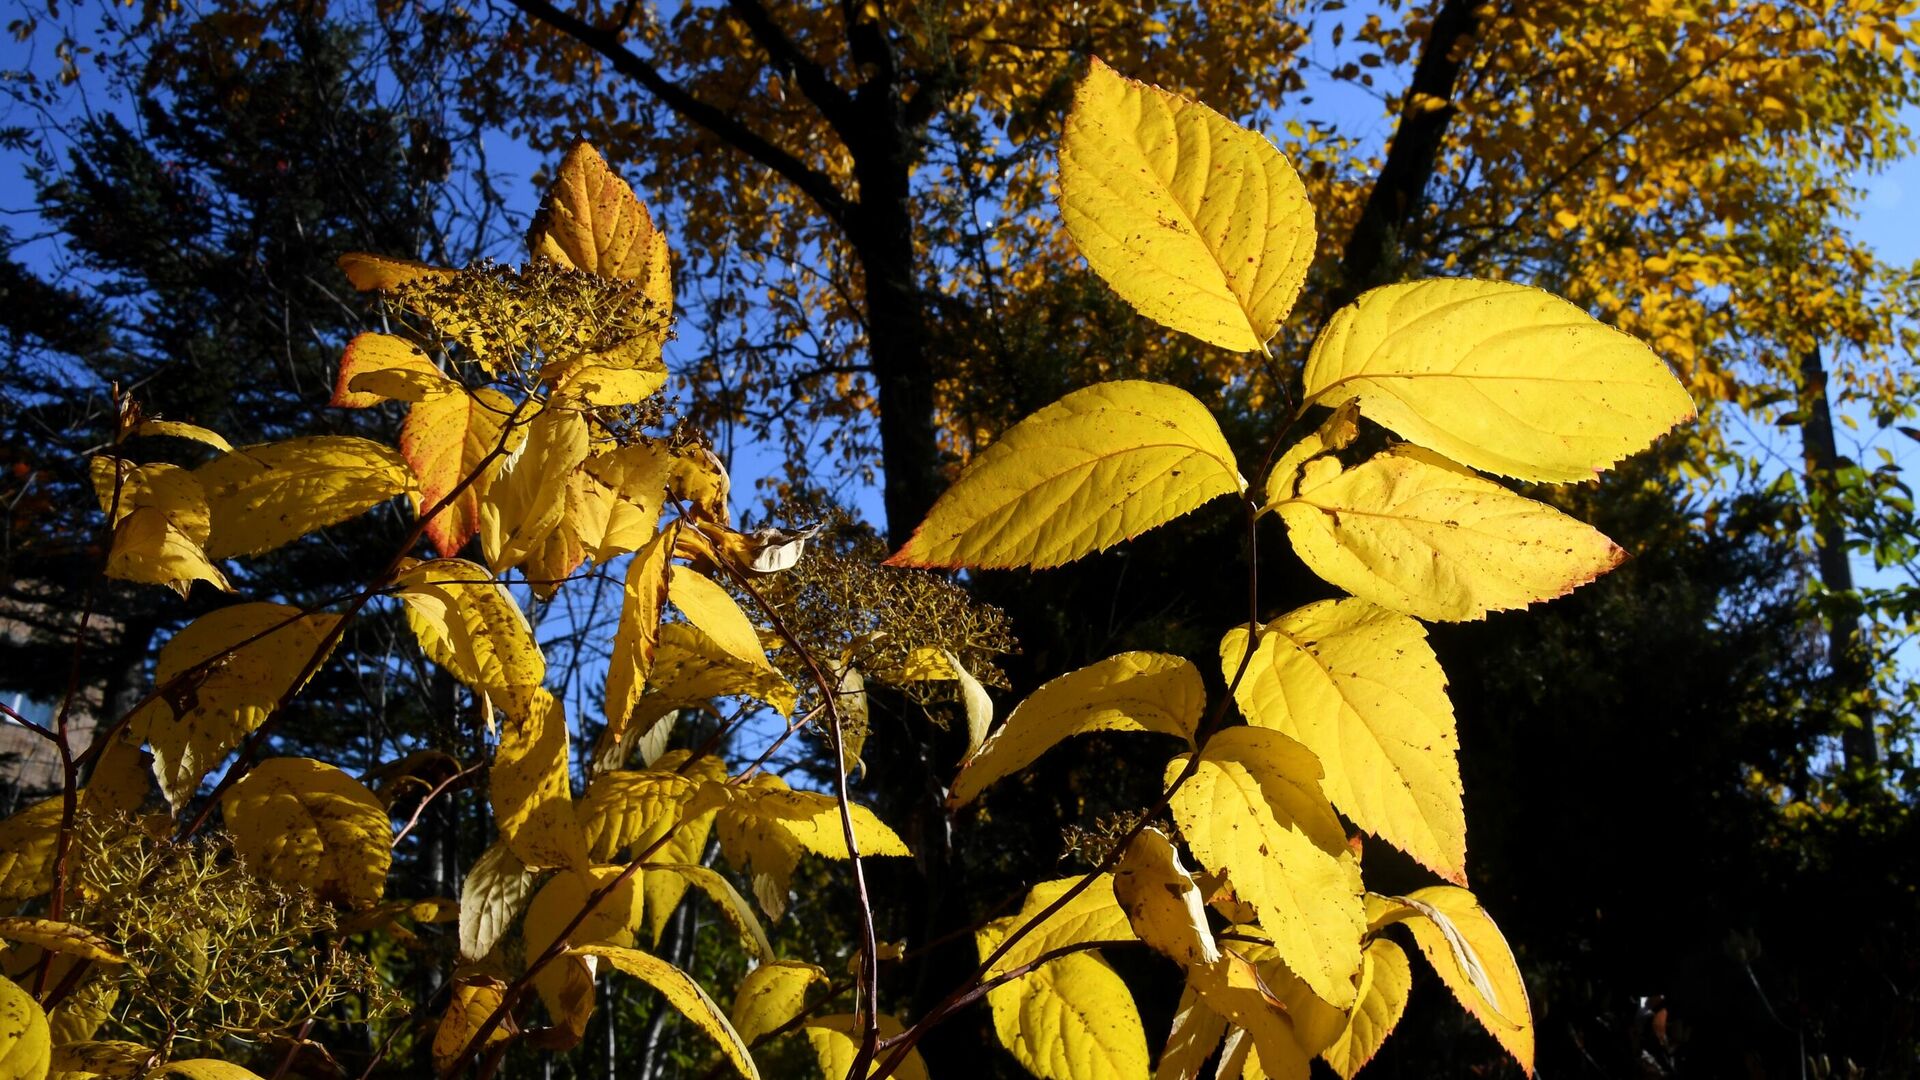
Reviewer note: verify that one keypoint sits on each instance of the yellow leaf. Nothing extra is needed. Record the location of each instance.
(1360, 687)
(1163, 901)
(598, 385)
(1471, 956)
(713, 610)
(26, 1046)
(773, 994)
(161, 525)
(1197, 222)
(1197, 1031)
(686, 997)
(1093, 914)
(1385, 981)
(496, 889)
(689, 669)
(61, 937)
(179, 430)
(733, 907)
(1234, 989)
(255, 655)
(528, 496)
(1070, 1018)
(1133, 691)
(204, 1069)
(566, 984)
(638, 476)
(765, 852)
(1414, 532)
(27, 842)
(530, 790)
(625, 812)
(592, 221)
(103, 1058)
(382, 272)
(305, 823)
(261, 497)
(382, 367)
(1497, 376)
(446, 439)
(813, 819)
(1101, 465)
(836, 1042)
(471, 1000)
(979, 706)
(1308, 900)
(467, 623)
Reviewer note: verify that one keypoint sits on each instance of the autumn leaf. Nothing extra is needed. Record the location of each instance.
(836, 1042)
(1101, 465)
(1386, 979)
(496, 888)
(262, 497)
(772, 995)
(305, 823)
(1308, 899)
(383, 367)
(1197, 222)
(1197, 1031)
(684, 994)
(1162, 900)
(566, 984)
(1133, 691)
(530, 788)
(26, 1046)
(1471, 956)
(161, 524)
(1359, 686)
(467, 623)
(447, 439)
(245, 659)
(1496, 376)
(1414, 532)
(470, 1001)
(1071, 1017)
(528, 497)
(54, 935)
(714, 611)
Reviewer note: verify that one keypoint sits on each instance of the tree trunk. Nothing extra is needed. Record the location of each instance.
(1399, 192)
(1846, 651)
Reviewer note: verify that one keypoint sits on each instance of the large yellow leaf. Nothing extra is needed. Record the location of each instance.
(470, 1002)
(305, 823)
(446, 439)
(714, 611)
(1288, 775)
(530, 791)
(1361, 688)
(1414, 532)
(496, 889)
(1308, 900)
(1071, 1018)
(836, 1042)
(467, 623)
(53, 935)
(101, 1058)
(382, 367)
(1197, 1031)
(772, 995)
(1199, 223)
(1385, 981)
(528, 495)
(765, 852)
(1234, 988)
(1471, 956)
(733, 907)
(689, 669)
(261, 497)
(566, 984)
(383, 272)
(685, 995)
(592, 221)
(259, 652)
(1162, 900)
(1093, 914)
(26, 1046)
(1498, 376)
(1101, 465)
(161, 525)
(1133, 691)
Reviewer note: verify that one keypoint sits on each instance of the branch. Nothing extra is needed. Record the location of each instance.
(834, 103)
(722, 124)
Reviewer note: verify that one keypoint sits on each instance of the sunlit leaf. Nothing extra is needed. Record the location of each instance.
(530, 789)
(447, 439)
(261, 497)
(305, 823)
(686, 997)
